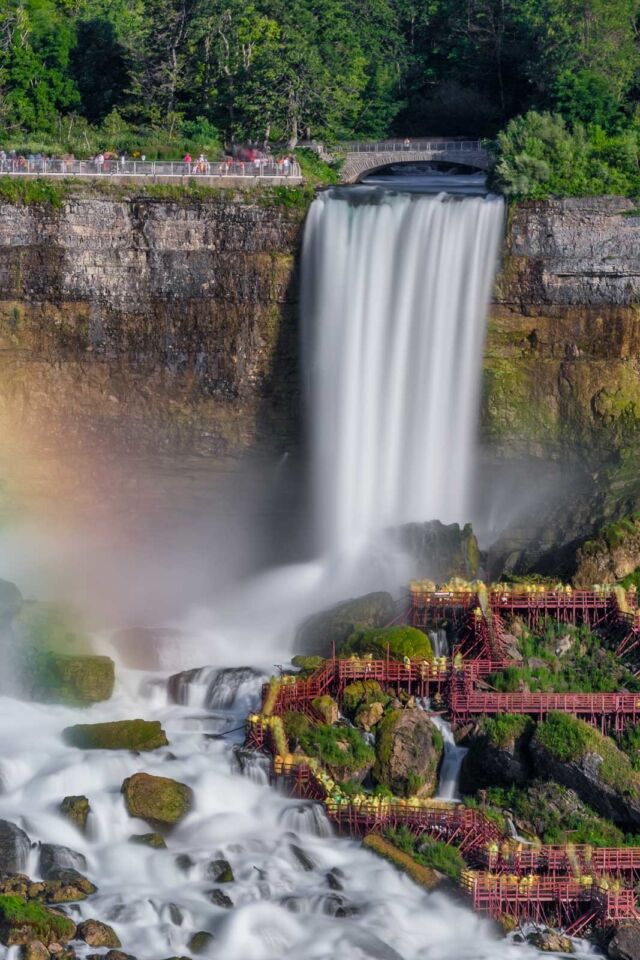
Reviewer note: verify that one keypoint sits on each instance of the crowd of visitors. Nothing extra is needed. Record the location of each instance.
(244, 161)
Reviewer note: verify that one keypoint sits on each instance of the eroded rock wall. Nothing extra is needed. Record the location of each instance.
(149, 324)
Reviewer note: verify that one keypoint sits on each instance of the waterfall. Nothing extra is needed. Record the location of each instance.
(451, 762)
(395, 289)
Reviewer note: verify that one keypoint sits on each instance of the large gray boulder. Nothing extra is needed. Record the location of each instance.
(409, 749)
(14, 848)
(440, 551)
(498, 755)
(625, 943)
(318, 633)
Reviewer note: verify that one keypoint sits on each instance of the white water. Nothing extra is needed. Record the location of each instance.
(395, 292)
(449, 777)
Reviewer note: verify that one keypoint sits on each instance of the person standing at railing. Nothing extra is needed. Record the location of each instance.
(407, 143)
(187, 162)
(99, 162)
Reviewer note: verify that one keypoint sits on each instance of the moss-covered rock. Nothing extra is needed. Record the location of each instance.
(220, 871)
(342, 750)
(200, 942)
(399, 641)
(117, 735)
(611, 556)
(153, 840)
(368, 715)
(157, 799)
(408, 753)
(23, 921)
(67, 886)
(440, 551)
(423, 876)
(60, 678)
(497, 754)
(318, 634)
(327, 707)
(77, 810)
(362, 693)
(572, 753)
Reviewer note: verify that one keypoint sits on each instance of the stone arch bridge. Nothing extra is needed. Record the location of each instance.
(361, 159)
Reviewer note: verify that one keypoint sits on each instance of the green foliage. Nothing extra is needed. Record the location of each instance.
(116, 735)
(399, 641)
(46, 924)
(307, 663)
(26, 190)
(341, 748)
(315, 170)
(539, 156)
(505, 729)
(295, 725)
(565, 737)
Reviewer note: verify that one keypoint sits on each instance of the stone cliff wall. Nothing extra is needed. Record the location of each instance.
(149, 324)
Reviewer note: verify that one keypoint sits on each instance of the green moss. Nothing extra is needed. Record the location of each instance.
(341, 748)
(307, 664)
(295, 725)
(327, 707)
(428, 853)
(76, 809)
(505, 729)
(47, 925)
(407, 862)
(385, 738)
(362, 693)
(400, 642)
(157, 799)
(153, 840)
(74, 680)
(117, 735)
(315, 170)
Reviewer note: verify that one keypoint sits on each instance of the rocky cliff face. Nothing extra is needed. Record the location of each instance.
(149, 324)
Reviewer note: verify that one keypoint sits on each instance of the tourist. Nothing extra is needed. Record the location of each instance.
(99, 162)
(407, 143)
(187, 162)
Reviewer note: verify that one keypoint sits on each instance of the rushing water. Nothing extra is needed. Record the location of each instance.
(395, 291)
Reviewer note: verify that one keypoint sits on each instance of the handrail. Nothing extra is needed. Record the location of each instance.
(114, 167)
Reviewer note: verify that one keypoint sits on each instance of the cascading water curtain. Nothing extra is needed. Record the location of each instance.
(395, 296)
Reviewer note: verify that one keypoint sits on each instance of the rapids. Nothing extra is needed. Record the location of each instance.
(281, 851)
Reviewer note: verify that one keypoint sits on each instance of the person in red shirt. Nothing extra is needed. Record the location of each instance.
(187, 163)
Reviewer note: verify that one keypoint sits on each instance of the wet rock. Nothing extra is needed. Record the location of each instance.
(10, 602)
(333, 878)
(22, 922)
(19, 884)
(335, 906)
(184, 862)
(157, 799)
(317, 634)
(625, 943)
(550, 941)
(149, 840)
(62, 678)
(219, 898)
(176, 915)
(200, 942)
(497, 755)
(118, 735)
(66, 886)
(55, 857)
(220, 871)
(612, 555)
(76, 809)
(223, 689)
(408, 752)
(441, 551)
(302, 857)
(97, 934)
(14, 848)
(368, 715)
(362, 693)
(35, 950)
(179, 684)
(111, 955)
(327, 708)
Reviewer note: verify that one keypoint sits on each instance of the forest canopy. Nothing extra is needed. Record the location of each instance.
(77, 72)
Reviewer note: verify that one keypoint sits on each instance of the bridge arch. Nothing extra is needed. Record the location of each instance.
(365, 158)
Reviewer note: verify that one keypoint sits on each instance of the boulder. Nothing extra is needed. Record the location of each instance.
(157, 799)
(10, 602)
(440, 551)
(498, 754)
(35, 950)
(117, 735)
(67, 886)
(319, 632)
(77, 810)
(23, 921)
(220, 871)
(625, 943)
(76, 680)
(550, 941)
(14, 848)
(574, 754)
(110, 955)
(362, 693)
(149, 840)
(395, 642)
(54, 857)
(97, 934)
(612, 555)
(220, 899)
(327, 708)
(368, 715)
(408, 752)
(200, 942)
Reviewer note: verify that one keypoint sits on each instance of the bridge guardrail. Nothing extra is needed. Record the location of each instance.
(262, 169)
(413, 146)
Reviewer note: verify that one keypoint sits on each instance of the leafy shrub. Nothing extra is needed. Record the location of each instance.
(565, 737)
(428, 853)
(295, 725)
(400, 641)
(505, 729)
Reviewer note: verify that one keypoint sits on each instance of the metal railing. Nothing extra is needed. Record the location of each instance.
(44, 166)
(413, 146)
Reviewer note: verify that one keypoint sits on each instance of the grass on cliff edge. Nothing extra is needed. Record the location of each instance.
(46, 924)
(568, 739)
